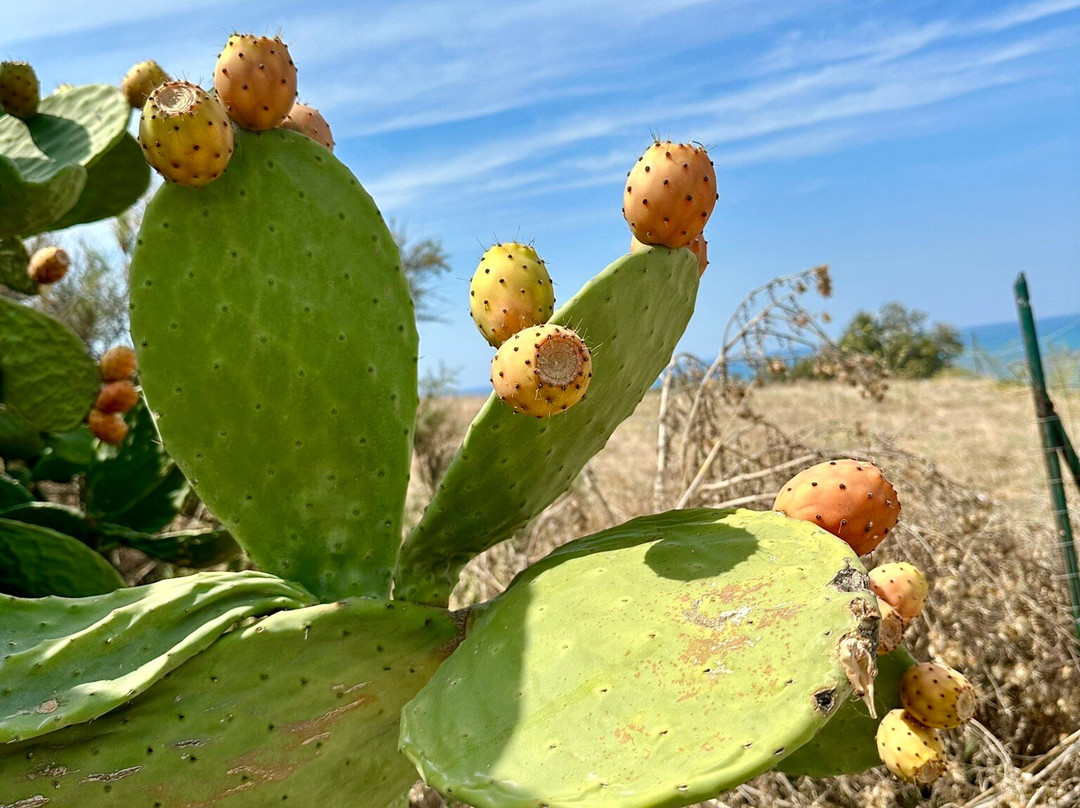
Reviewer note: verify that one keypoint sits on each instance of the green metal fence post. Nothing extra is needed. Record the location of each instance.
(1054, 440)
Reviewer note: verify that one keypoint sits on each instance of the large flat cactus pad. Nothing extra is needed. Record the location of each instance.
(300, 709)
(277, 345)
(654, 664)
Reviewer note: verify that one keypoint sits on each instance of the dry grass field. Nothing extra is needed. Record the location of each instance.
(964, 455)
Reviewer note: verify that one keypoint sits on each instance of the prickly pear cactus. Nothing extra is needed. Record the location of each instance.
(299, 709)
(654, 664)
(46, 376)
(846, 745)
(647, 665)
(71, 163)
(492, 487)
(289, 399)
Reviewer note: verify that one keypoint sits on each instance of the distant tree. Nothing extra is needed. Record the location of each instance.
(900, 339)
(422, 261)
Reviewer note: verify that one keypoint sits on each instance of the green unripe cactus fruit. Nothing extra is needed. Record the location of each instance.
(909, 749)
(937, 696)
(255, 79)
(902, 586)
(510, 290)
(309, 121)
(542, 370)
(20, 92)
(141, 80)
(185, 134)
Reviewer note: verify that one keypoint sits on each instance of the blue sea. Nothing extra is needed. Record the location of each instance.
(997, 349)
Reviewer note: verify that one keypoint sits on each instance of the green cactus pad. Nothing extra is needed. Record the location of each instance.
(654, 664)
(135, 484)
(847, 744)
(43, 170)
(76, 660)
(46, 376)
(113, 184)
(510, 466)
(185, 548)
(19, 439)
(300, 709)
(34, 190)
(36, 561)
(61, 518)
(64, 455)
(12, 493)
(14, 261)
(288, 398)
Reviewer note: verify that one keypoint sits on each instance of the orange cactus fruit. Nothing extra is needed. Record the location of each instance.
(670, 194)
(699, 247)
(902, 586)
(255, 79)
(542, 370)
(118, 396)
(108, 427)
(48, 265)
(849, 498)
(309, 121)
(118, 363)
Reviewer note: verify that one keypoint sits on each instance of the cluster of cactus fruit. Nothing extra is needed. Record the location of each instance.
(652, 665)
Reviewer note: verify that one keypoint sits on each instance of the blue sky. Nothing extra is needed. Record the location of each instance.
(926, 151)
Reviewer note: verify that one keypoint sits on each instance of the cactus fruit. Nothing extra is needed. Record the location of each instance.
(510, 290)
(891, 631)
(699, 247)
(849, 498)
(185, 134)
(118, 363)
(909, 749)
(107, 427)
(20, 92)
(542, 370)
(902, 586)
(255, 79)
(141, 80)
(937, 696)
(118, 396)
(310, 122)
(48, 265)
(670, 193)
